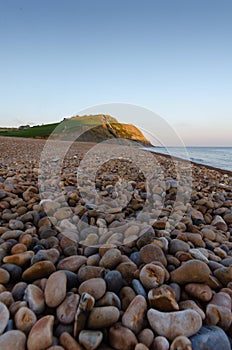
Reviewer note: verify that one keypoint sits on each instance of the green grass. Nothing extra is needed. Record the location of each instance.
(43, 131)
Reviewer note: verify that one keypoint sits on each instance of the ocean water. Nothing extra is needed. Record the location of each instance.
(218, 157)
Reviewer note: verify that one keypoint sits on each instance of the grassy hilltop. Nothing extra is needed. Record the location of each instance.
(102, 127)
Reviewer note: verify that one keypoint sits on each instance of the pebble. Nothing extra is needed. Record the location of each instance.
(4, 276)
(34, 296)
(152, 276)
(146, 337)
(199, 291)
(161, 343)
(122, 338)
(103, 317)
(114, 281)
(41, 334)
(25, 319)
(94, 286)
(90, 339)
(66, 311)
(151, 252)
(69, 342)
(138, 288)
(38, 270)
(172, 324)
(191, 271)
(181, 343)
(71, 263)
(55, 289)
(4, 317)
(109, 299)
(210, 338)
(163, 298)
(111, 259)
(135, 314)
(13, 340)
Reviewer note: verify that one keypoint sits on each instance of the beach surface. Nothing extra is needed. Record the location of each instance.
(111, 247)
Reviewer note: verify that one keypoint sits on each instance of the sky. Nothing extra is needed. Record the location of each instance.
(173, 57)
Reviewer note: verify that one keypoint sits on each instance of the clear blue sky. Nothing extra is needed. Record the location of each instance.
(174, 57)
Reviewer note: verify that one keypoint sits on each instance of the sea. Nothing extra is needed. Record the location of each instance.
(218, 157)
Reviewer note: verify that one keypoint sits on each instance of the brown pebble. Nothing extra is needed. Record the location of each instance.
(163, 298)
(103, 317)
(41, 334)
(199, 291)
(146, 337)
(25, 319)
(71, 263)
(40, 269)
(19, 259)
(111, 259)
(13, 340)
(4, 276)
(135, 315)
(69, 342)
(152, 276)
(94, 286)
(34, 296)
(55, 289)
(151, 252)
(191, 271)
(65, 312)
(121, 338)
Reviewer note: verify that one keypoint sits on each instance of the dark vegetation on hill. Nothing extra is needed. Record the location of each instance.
(93, 128)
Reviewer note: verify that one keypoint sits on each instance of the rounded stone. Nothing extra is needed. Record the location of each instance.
(181, 343)
(152, 252)
(40, 269)
(25, 319)
(94, 286)
(65, 312)
(90, 339)
(114, 281)
(127, 294)
(34, 296)
(177, 245)
(109, 299)
(111, 259)
(138, 288)
(135, 315)
(199, 291)
(160, 343)
(4, 276)
(152, 276)
(172, 324)
(41, 334)
(4, 317)
(13, 340)
(121, 338)
(191, 271)
(210, 338)
(163, 299)
(69, 342)
(14, 271)
(19, 290)
(146, 337)
(71, 263)
(87, 272)
(55, 289)
(103, 317)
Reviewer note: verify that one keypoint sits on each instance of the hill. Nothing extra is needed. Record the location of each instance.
(93, 128)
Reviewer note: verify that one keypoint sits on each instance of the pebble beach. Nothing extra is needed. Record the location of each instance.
(129, 266)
